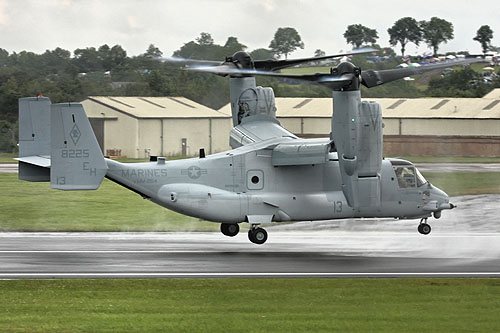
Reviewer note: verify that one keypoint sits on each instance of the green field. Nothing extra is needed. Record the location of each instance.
(250, 305)
(8, 158)
(29, 206)
(465, 183)
(450, 159)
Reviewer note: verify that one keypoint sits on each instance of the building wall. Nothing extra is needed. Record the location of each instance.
(450, 127)
(149, 138)
(210, 134)
(420, 136)
(307, 126)
(396, 145)
(120, 130)
(221, 127)
(291, 124)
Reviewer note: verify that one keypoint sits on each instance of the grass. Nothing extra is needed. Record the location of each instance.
(29, 206)
(8, 159)
(250, 305)
(465, 183)
(451, 159)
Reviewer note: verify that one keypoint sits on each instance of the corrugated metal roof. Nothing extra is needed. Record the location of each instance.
(298, 107)
(158, 107)
(467, 108)
(495, 93)
(396, 104)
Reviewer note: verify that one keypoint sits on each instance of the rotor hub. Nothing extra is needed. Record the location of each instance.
(242, 59)
(346, 68)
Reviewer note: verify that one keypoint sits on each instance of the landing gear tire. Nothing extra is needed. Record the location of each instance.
(230, 229)
(257, 236)
(424, 228)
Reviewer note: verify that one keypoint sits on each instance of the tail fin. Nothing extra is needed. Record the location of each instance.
(34, 139)
(77, 162)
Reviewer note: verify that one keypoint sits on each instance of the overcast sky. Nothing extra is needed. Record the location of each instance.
(38, 25)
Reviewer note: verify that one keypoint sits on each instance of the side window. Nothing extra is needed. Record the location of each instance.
(406, 176)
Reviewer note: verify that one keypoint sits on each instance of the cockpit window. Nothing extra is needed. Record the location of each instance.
(406, 176)
(420, 179)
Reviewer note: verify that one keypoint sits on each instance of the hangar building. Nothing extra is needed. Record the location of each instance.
(172, 126)
(419, 126)
(140, 127)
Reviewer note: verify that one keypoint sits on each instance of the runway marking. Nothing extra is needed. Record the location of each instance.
(107, 251)
(284, 274)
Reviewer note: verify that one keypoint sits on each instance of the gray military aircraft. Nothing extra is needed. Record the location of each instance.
(270, 175)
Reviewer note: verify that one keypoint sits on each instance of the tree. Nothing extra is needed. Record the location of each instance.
(202, 48)
(286, 40)
(232, 45)
(153, 52)
(357, 35)
(484, 36)
(319, 53)
(436, 31)
(87, 60)
(205, 39)
(117, 56)
(262, 54)
(403, 31)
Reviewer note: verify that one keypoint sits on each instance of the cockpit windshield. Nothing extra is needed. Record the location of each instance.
(420, 179)
(408, 176)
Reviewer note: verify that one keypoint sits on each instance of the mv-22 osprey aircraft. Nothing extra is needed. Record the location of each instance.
(270, 175)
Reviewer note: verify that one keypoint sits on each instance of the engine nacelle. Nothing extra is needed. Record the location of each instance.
(256, 101)
(249, 100)
(357, 134)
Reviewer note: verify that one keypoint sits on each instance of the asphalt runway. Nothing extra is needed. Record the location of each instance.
(286, 254)
(465, 242)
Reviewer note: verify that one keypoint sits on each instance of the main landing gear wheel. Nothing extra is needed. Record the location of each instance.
(257, 235)
(229, 229)
(424, 228)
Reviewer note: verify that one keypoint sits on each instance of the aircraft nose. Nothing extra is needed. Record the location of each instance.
(440, 199)
(439, 195)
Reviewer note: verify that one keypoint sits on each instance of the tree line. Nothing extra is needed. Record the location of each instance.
(405, 30)
(108, 70)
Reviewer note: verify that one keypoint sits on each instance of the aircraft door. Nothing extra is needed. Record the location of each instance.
(239, 182)
(408, 182)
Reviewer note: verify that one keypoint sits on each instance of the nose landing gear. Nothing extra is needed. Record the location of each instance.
(423, 227)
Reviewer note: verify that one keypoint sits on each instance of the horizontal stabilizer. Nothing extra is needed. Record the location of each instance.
(41, 161)
(33, 173)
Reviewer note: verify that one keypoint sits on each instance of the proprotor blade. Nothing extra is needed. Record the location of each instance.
(372, 78)
(273, 65)
(188, 62)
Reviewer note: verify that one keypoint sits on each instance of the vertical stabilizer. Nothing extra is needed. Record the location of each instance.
(34, 126)
(77, 162)
(34, 139)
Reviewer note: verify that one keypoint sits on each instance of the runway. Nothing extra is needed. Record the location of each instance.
(286, 254)
(465, 242)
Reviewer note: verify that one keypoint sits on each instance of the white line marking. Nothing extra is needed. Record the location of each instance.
(107, 251)
(285, 274)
